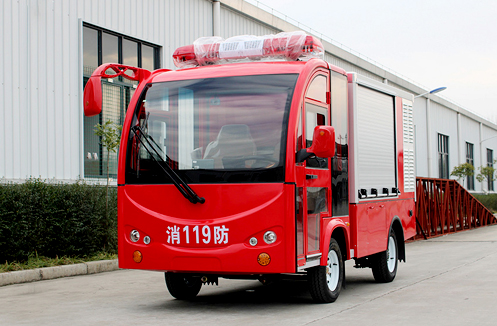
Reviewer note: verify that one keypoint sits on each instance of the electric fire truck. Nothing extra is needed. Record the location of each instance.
(257, 160)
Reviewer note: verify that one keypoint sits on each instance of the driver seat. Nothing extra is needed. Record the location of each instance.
(233, 140)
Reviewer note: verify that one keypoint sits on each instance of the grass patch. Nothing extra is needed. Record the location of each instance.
(489, 201)
(35, 261)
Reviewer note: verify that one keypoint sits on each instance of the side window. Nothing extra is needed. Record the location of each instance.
(314, 116)
(317, 89)
(299, 140)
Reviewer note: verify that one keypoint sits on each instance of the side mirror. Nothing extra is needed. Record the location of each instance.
(92, 99)
(323, 144)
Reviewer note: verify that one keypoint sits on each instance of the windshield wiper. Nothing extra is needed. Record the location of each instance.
(182, 186)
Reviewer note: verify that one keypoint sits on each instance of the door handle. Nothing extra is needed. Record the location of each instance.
(311, 176)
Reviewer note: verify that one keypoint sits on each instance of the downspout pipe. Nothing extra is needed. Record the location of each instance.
(216, 18)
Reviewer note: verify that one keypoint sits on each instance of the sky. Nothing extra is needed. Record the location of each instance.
(435, 43)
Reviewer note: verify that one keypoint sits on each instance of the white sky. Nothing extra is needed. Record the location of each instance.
(435, 43)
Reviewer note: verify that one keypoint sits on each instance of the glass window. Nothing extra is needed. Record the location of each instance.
(300, 220)
(314, 116)
(443, 156)
(340, 162)
(116, 95)
(110, 45)
(470, 180)
(228, 129)
(130, 53)
(490, 163)
(317, 203)
(148, 57)
(317, 89)
(90, 50)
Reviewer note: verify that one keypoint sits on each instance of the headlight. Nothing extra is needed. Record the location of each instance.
(134, 236)
(269, 237)
(253, 241)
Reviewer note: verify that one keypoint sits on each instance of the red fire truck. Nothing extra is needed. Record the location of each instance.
(260, 160)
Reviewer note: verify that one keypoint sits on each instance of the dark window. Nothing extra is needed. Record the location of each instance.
(110, 46)
(147, 56)
(103, 46)
(340, 162)
(443, 156)
(90, 50)
(490, 163)
(130, 53)
(470, 159)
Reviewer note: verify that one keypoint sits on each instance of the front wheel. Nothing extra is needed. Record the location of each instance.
(325, 282)
(183, 286)
(384, 264)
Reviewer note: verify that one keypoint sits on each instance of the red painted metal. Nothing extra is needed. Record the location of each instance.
(443, 206)
(244, 211)
(370, 222)
(93, 90)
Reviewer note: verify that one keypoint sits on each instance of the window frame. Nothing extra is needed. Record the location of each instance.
(443, 156)
(470, 150)
(490, 163)
(125, 88)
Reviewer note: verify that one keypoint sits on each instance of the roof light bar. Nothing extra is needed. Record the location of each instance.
(288, 46)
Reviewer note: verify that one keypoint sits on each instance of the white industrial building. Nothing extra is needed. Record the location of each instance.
(49, 48)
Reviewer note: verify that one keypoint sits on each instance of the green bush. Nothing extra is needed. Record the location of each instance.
(56, 220)
(489, 201)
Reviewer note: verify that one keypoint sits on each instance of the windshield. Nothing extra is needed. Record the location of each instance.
(214, 130)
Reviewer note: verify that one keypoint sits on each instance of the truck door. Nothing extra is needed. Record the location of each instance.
(313, 175)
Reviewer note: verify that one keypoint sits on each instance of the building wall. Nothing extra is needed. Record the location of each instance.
(233, 23)
(421, 135)
(41, 72)
(41, 78)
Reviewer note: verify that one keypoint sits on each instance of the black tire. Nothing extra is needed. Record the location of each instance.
(384, 264)
(325, 282)
(183, 286)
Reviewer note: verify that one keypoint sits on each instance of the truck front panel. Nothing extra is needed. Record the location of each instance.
(213, 237)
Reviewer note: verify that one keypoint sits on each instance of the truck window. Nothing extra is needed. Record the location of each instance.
(230, 129)
(314, 116)
(340, 162)
(317, 89)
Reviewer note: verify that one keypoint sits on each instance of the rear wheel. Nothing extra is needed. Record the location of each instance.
(183, 286)
(384, 264)
(325, 282)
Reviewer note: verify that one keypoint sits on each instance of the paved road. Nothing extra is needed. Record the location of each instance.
(450, 280)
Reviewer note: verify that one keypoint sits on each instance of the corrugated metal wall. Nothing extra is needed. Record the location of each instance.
(41, 78)
(443, 121)
(234, 23)
(40, 90)
(420, 145)
(349, 67)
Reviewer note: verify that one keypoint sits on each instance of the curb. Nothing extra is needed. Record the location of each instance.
(48, 273)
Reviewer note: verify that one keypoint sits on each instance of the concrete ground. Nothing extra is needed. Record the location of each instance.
(451, 280)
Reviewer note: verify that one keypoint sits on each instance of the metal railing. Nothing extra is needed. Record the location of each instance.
(443, 206)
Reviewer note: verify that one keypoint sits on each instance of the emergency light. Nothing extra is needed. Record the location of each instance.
(288, 46)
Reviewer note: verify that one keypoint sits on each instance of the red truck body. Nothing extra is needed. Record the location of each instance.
(266, 204)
